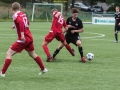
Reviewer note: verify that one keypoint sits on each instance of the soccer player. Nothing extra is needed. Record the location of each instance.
(75, 27)
(24, 41)
(56, 32)
(117, 23)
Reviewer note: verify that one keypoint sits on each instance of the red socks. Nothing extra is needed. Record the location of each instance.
(39, 62)
(6, 65)
(69, 49)
(8, 62)
(46, 50)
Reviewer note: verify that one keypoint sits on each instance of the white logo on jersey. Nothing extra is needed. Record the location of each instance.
(76, 24)
(78, 38)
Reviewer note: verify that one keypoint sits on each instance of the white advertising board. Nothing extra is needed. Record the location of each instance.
(103, 20)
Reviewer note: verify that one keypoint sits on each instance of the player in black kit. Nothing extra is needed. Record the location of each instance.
(117, 23)
(75, 27)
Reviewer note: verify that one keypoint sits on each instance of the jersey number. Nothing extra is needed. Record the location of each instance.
(60, 20)
(25, 21)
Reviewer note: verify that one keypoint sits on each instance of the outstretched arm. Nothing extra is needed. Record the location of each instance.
(66, 28)
(78, 31)
(58, 14)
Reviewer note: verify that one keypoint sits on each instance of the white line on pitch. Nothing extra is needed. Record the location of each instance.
(100, 35)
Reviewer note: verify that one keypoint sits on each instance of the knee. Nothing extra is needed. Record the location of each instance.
(7, 53)
(33, 55)
(79, 44)
(64, 42)
(60, 47)
(44, 43)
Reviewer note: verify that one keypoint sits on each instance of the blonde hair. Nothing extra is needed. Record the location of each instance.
(54, 10)
(117, 7)
(15, 6)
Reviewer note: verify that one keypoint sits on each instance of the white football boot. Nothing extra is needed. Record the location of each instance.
(43, 71)
(2, 75)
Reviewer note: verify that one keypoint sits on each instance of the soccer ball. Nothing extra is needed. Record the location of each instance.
(90, 56)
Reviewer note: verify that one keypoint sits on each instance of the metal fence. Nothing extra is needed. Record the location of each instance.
(6, 15)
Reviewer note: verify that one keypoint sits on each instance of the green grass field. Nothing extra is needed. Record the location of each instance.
(66, 73)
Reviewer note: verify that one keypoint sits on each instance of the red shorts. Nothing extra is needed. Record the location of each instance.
(51, 35)
(18, 47)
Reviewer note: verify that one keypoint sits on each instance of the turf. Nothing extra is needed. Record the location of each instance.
(66, 72)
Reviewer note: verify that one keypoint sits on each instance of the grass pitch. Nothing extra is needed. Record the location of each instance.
(66, 73)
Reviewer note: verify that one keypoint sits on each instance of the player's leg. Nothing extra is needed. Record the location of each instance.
(57, 50)
(80, 49)
(45, 48)
(46, 41)
(7, 61)
(116, 37)
(38, 61)
(61, 37)
(68, 48)
(116, 34)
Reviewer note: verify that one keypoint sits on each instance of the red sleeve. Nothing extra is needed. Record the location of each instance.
(28, 23)
(21, 24)
(54, 13)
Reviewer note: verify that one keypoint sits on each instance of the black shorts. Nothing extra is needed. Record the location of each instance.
(117, 28)
(72, 39)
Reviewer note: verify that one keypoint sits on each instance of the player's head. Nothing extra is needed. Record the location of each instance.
(15, 6)
(117, 8)
(54, 10)
(74, 13)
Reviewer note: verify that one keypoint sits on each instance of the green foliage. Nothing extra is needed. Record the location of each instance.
(11, 1)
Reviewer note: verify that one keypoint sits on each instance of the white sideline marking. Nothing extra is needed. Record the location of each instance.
(99, 35)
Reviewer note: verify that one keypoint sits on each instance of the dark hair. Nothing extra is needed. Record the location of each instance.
(74, 10)
(15, 6)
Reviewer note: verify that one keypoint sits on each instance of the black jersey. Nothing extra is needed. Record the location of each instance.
(76, 26)
(117, 18)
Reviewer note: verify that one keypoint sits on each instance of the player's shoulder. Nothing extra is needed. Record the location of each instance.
(119, 13)
(18, 14)
(15, 15)
(55, 12)
(69, 18)
(78, 19)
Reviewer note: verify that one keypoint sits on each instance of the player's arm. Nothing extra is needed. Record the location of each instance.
(77, 31)
(65, 29)
(119, 23)
(65, 26)
(80, 26)
(56, 14)
(13, 27)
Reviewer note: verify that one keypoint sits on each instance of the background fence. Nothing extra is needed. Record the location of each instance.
(40, 14)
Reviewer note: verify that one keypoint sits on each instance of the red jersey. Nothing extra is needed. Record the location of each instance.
(22, 25)
(58, 23)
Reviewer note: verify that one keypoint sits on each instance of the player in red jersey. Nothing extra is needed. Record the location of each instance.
(72, 35)
(24, 41)
(56, 32)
